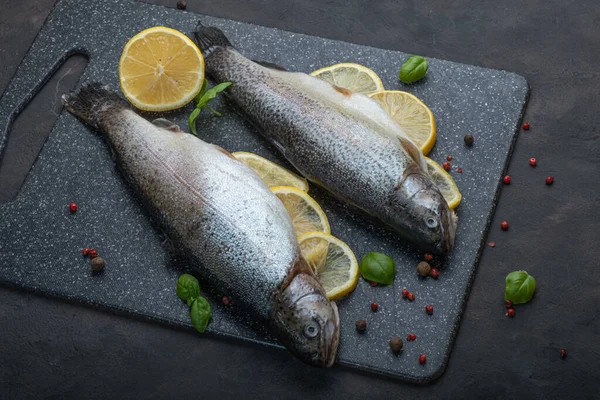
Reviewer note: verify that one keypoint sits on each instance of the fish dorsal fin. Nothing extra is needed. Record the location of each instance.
(166, 124)
(270, 65)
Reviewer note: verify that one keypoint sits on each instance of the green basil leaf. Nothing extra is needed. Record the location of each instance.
(413, 69)
(192, 120)
(187, 287)
(378, 267)
(201, 92)
(212, 93)
(520, 287)
(200, 314)
(190, 301)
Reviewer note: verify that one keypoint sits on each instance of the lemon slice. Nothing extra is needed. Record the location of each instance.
(354, 77)
(160, 69)
(444, 182)
(332, 261)
(306, 214)
(271, 173)
(415, 118)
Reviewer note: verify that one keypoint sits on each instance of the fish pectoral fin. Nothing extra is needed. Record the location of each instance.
(166, 124)
(270, 65)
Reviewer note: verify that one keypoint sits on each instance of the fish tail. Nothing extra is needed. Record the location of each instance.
(210, 37)
(90, 102)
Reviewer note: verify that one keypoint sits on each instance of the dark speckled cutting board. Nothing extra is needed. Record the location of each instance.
(40, 242)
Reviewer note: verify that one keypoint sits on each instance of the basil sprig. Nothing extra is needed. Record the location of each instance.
(202, 100)
(188, 290)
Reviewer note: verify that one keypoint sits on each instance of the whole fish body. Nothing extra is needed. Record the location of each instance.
(223, 216)
(342, 141)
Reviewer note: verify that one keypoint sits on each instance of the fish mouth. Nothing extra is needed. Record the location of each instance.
(330, 338)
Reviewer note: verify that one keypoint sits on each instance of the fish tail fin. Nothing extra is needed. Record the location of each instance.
(209, 37)
(91, 101)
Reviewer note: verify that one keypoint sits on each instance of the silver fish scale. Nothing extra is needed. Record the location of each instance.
(212, 205)
(320, 139)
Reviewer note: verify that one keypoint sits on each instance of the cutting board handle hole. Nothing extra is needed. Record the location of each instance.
(33, 124)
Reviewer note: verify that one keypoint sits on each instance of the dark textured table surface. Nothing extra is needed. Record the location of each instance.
(52, 349)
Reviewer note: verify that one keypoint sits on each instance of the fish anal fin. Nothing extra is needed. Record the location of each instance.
(270, 65)
(222, 150)
(342, 90)
(411, 149)
(166, 124)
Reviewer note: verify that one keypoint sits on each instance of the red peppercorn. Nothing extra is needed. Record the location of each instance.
(448, 158)
(492, 244)
(85, 251)
(506, 180)
(549, 180)
(226, 300)
(526, 126)
(447, 166)
(510, 312)
(73, 208)
(459, 170)
(93, 253)
(411, 337)
(563, 353)
(411, 296)
(374, 306)
(429, 309)
(404, 293)
(434, 273)
(428, 257)
(504, 225)
(508, 303)
(373, 283)
(532, 162)
(422, 359)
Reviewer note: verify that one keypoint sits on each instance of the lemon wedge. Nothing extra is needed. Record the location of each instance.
(354, 77)
(271, 173)
(305, 212)
(415, 118)
(160, 69)
(444, 182)
(332, 261)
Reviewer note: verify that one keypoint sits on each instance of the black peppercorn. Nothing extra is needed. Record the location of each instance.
(423, 268)
(97, 264)
(182, 4)
(469, 140)
(396, 344)
(361, 325)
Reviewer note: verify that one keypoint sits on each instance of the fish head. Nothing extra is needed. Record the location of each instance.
(426, 218)
(305, 321)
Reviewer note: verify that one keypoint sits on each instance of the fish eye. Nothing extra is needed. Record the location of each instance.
(431, 223)
(311, 330)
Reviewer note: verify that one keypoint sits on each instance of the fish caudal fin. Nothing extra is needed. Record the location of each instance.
(90, 102)
(209, 37)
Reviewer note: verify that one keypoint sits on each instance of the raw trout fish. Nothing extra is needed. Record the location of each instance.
(221, 214)
(342, 141)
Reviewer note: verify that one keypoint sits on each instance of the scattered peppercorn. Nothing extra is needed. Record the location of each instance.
(226, 300)
(73, 208)
(374, 306)
(182, 4)
(506, 180)
(97, 264)
(563, 353)
(396, 344)
(428, 257)
(411, 337)
(504, 225)
(422, 359)
(423, 268)
(85, 251)
(459, 170)
(469, 140)
(448, 158)
(434, 273)
(361, 325)
(532, 162)
(447, 166)
(508, 303)
(373, 283)
(411, 296)
(93, 253)
(510, 312)
(492, 244)
(429, 309)
(526, 126)
(549, 180)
